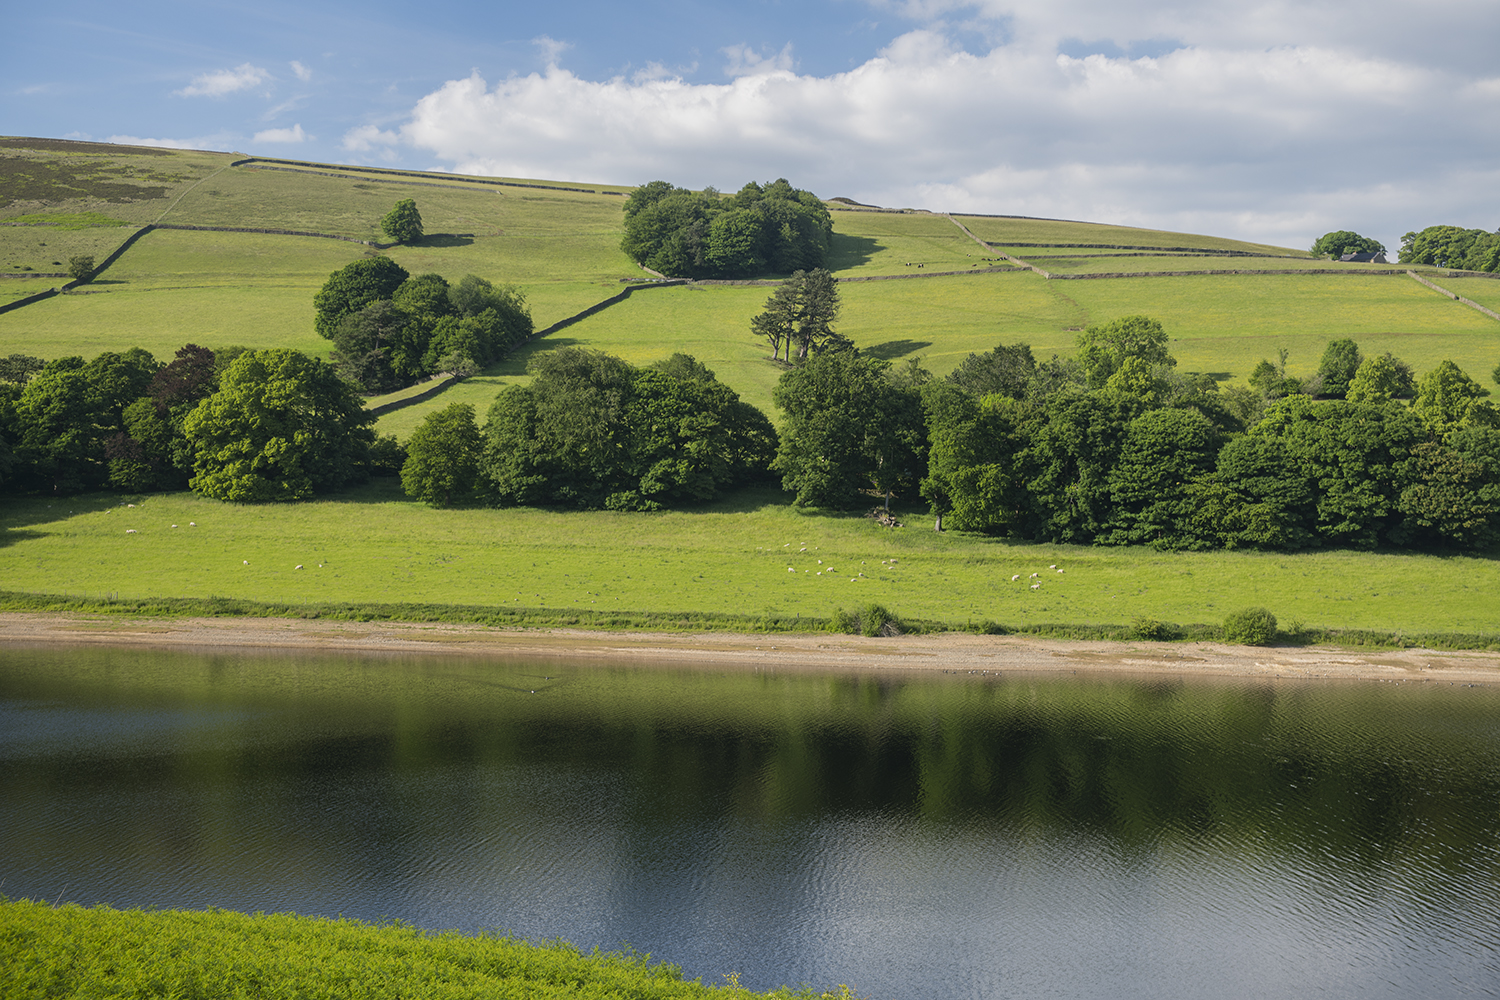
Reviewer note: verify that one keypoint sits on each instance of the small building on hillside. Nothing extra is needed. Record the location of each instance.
(1363, 258)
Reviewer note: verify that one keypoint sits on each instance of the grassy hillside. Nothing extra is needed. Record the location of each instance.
(562, 248)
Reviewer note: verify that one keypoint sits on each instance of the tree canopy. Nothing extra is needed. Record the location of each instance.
(282, 426)
(351, 288)
(592, 431)
(403, 223)
(775, 229)
(1338, 243)
(1452, 246)
(390, 329)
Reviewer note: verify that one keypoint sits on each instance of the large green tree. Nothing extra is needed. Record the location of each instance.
(1341, 361)
(1448, 399)
(852, 431)
(403, 223)
(1162, 454)
(351, 288)
(1343, 241)
(442, 457)
(282, 426)
(1103, 349)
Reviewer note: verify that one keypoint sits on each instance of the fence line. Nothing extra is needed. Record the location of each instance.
(1455, 296)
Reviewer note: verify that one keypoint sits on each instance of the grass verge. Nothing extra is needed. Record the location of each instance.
(51, 951)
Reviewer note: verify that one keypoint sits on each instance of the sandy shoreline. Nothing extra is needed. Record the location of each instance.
(824, 652)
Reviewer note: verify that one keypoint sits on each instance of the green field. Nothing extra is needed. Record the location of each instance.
(1105, 262)
(743, 556)
(1002, 231)
(1485, 291)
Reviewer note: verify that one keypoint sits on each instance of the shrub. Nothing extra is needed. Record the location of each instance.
(871, 620)
(1151, 630)
(1250, 627)
(81, 266)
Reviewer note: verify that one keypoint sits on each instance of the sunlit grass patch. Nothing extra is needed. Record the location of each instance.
(750, 554)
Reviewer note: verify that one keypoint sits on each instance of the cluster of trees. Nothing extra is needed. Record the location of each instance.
(592, 431)
(235, 424)
(1452, 246)
(771, 229)
(1115, 447)
(1343, 241)
(390, 328)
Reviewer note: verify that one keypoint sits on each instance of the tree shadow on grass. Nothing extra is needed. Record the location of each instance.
(845, 251)
(446, 240)
(893, 349)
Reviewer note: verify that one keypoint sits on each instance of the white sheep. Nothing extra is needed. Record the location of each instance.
(1036, 586)
(129, 531)
(1015, 578)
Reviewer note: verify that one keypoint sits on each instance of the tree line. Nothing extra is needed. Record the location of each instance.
(1114, 447)
(1439, 246)
(774, 228)
(234, 424)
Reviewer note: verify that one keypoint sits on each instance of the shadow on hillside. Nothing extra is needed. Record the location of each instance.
(893, 349)
(10, 536)
(446, 240)
(845, 251)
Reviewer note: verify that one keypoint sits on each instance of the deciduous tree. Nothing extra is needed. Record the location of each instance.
(442, 457)
(403, 223)
(282, 426)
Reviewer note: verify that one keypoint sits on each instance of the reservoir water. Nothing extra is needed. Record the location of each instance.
(935, 836)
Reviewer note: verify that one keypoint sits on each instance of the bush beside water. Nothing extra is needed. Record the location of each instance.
(1250, 627)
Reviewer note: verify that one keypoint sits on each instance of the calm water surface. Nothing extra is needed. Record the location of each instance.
(975, 836)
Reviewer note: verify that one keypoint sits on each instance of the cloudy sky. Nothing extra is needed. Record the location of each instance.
(1272, 120)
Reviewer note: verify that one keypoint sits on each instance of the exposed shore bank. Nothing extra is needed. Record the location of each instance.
(950, 652)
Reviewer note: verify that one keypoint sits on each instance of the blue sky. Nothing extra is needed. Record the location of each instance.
(1273, 120)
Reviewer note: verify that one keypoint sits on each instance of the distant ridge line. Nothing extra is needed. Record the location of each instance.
(327, 169)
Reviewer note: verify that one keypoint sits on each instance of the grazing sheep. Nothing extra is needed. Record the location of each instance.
(1015, 578)
(1036, 586)
(129, 531)
(299, 566)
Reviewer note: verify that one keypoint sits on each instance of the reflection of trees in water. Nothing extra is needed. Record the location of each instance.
(1363, 777)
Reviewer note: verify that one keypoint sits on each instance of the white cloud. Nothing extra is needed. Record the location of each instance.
(303, 73)
(1275, 143)
(364, 138)
(550, 48)
(225, 81)
(293, 134)
(222, 140)
(744, 61)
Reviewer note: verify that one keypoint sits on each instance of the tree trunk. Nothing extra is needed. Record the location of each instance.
(939, 525)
